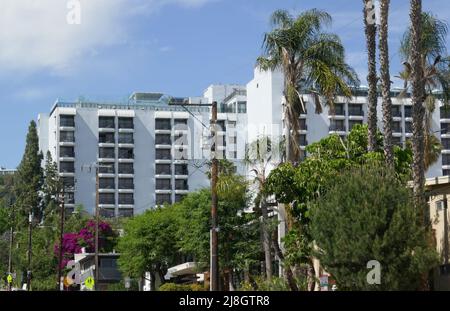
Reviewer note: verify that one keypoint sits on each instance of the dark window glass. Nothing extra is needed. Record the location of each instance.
(163, 139)
(337, 125)
(126, 168)
(126, 198)
(126, 212)
(181, 169)
(126, 153)
(445, 172)
(66, 152)
(181, 184)
(66, 167)
(352, 123)
(163, 184)
(446, 159)
(408, 111)
(355, 110)
(163, 199)
(69, 198)
(68, 121)
(126, 138)
(107, 212)
(180, 122)
(126, 183)
(106, 183)
(179, 197)
(68, 182)
(408, 127)
(163, 124)
(445, 143)
(107, 198)
(397, 141)
(106, 152)
(163, 169)
(445, 128)
(163, 154)
(445, 112)
(126, 123)
(106, 138)
(396, 126)
(106, 122)
(339, 110)
(106, 168)
(396, 111)
(242, 107)
(67, 136)
(303, 125)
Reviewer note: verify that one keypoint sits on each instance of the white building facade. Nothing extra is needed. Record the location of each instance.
(147, 152)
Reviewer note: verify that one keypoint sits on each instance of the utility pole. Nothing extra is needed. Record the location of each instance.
(214, 258)
(11, 241)
(214, 274)
(61, 233)
(30, 228)
(97, 217)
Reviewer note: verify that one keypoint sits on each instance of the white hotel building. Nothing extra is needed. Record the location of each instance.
(148, 153)
(151, 153)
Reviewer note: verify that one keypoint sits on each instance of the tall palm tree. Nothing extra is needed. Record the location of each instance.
(386, 83)
(434, 73)
(312, 61)
(418, 111)
(372, 98)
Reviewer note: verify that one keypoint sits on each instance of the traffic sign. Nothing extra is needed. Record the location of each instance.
(89, 283)
(9, 278)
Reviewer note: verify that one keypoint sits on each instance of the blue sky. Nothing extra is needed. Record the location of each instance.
(178, 47)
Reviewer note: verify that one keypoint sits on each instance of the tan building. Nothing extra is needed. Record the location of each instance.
(438, 194)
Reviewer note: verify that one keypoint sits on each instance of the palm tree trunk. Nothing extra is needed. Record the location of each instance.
(287, 270)
(266, 240)
(371, 31)
(418, 111)
(386, 83)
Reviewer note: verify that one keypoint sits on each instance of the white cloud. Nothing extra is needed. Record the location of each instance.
(35, 35)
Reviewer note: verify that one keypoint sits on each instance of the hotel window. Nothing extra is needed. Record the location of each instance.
(163, 139)
(126, 183)
(397, 141)
(126, 198)
(126, 153)
(67, 121)
(445, 112)
(181, 169)
(106, 183)
(107, 212)
(337, 125)
(106, 122)
(445, 143)
(67, 137)
(66, 152)
(106, 153)
(163, 199)
(408, 127)
(107, 198)
(303, 125)
(106, 138)
(163, 154)
(352, 123)
(68, 182)
(445, 128)
(179, 197)
(181, 184)
(396, 126)
(408, 111)
(163, 169)
(107, 168)
(163, 124)
(338, 110)
(303, 141)
(126, 138)
(446, 159)
(69, 198)
(66, 167)
(163, 184)
(355, 110)
(126, 168)
(126, 212)
(396, 111)
(445, 172)
(242, 107)
(126, 123)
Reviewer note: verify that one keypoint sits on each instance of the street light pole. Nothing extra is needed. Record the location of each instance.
(61, 233)
(30, 228)
(214, 273)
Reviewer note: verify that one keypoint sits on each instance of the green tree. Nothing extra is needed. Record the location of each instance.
(51, 186)
(29, 178)
(312, 61)
(149, 243)
(365, 215)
